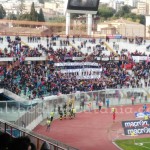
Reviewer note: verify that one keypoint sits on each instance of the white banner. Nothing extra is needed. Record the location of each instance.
(105, 59)
(87, 70)
(89, 77)
(7, 59)
(78, 58)
(139, 58)
(136, 58)
(143, 58)
(117, 58)
(35, 59)
(76, 64)
(98, 58)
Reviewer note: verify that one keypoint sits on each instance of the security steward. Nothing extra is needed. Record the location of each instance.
(146, 117)
(61, 115)
(70, 113)
(51, 116)
(65, 110)
(74, 112)
(48, 122)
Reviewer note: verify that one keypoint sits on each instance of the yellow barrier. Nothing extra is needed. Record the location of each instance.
(110, 49)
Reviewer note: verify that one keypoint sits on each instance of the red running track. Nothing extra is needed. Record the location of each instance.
(90, 130)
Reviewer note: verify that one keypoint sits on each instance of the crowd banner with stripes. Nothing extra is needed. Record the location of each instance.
(76, 64)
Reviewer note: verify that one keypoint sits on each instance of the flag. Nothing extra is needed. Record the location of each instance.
(22, 58)
(147, 60)
(129, 56)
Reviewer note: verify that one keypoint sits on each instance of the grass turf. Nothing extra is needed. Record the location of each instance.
(143, 144)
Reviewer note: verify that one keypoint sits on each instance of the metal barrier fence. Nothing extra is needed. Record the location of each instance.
(24, 113)
(16, 131)
(29, 111)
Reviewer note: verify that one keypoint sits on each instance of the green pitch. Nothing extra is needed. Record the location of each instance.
(137, 144)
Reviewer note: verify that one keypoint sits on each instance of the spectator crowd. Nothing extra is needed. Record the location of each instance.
(8, 142)
(38, 79)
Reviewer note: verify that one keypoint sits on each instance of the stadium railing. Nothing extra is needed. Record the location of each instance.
(29, 111)
(26, 113)
(16, 131)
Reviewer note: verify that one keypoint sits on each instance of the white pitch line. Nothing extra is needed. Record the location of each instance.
(146, 142)
(143, 146)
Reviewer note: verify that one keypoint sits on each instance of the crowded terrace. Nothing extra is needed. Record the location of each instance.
(35, 79)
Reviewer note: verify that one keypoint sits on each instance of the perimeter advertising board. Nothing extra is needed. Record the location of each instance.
(136, 126)
(142, 114)
(135, 123)
(137, 131)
